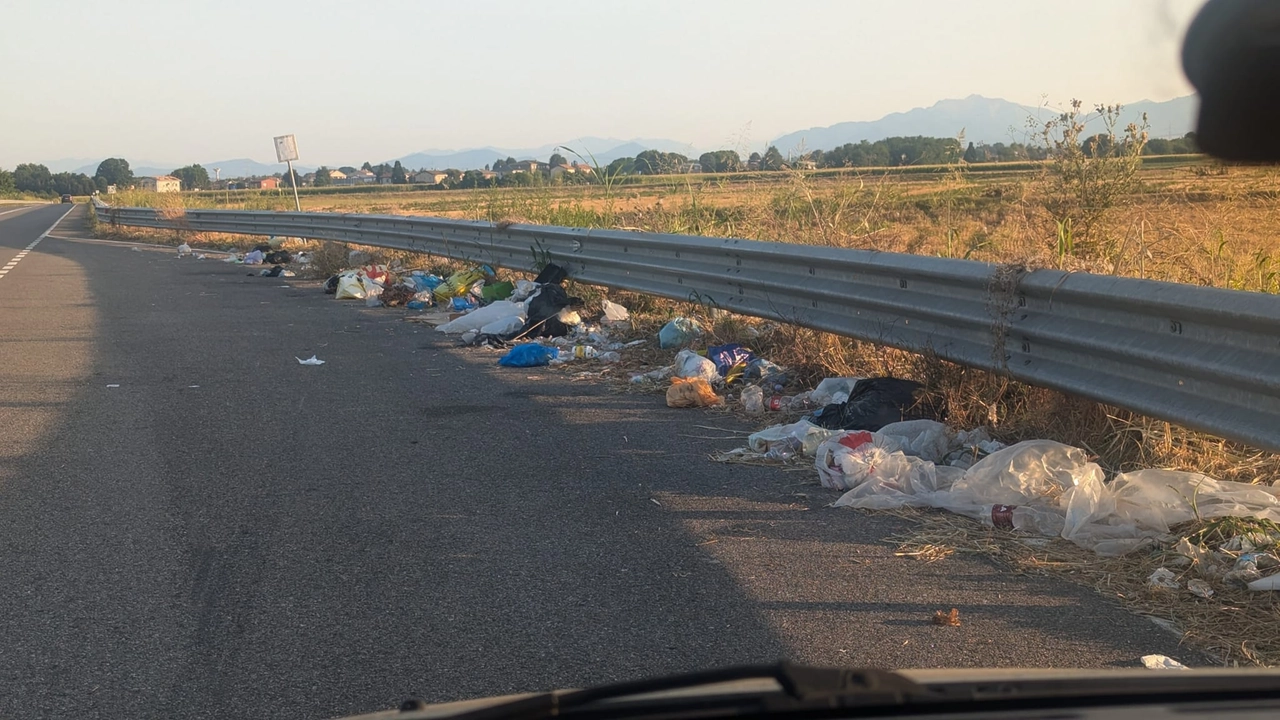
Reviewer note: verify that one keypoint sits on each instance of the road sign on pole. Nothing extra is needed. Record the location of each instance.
(287, 152)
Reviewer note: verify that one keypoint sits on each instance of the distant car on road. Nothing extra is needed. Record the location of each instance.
(66, 198)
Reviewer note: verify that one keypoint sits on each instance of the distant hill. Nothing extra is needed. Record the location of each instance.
(603, 150)
(982, 119)
(240, 167)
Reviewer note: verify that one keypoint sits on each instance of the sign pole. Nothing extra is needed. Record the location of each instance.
(293, 178)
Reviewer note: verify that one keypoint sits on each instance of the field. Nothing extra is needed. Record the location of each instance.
(1181, 219)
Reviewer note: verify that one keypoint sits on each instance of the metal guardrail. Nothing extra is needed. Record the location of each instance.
(1205, 358)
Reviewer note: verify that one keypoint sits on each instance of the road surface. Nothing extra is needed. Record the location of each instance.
(193, 524)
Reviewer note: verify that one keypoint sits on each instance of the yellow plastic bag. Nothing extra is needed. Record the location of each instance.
(691, 392)
(459, 283)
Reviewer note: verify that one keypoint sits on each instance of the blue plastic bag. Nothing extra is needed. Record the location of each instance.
(678, 333)
(529, 355)
(415, 305)
(462, 304)
(426, 282)
(726, 356)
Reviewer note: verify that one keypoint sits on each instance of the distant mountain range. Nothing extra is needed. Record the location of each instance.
(988, 120)
(602, 150)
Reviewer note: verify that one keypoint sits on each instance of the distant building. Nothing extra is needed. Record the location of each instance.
(430, 177)
(163, 183)
(269, 183)
(337, 175)
(561, 170)
(524, 166)
(362, 176)
(691, 167)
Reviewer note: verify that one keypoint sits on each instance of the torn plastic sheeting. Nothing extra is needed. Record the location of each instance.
(476, 319)
(1048, 488)
(803, 435)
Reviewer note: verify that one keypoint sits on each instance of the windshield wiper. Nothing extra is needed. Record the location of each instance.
(810, 687)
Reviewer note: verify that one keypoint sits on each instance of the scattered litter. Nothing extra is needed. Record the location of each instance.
(614, 313)
(397, 295)
(254, 257)
(277, 257)
(1163, 578)
(950, 619)
(1161, 662)
(610, 357)
(459, 283)
(113, 386)
(803, 434)
(200, 256)
(136, 249)
(753, 400)
(1200, 588)
(493, 291)
(184, 249)
(529, 355)
(313, 360)
(660, 374)
(680, 331)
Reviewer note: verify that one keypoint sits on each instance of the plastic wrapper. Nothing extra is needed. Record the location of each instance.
(826, 391)
(613, 312)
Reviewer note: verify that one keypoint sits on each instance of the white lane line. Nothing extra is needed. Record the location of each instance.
(24, 207)
(5, 270)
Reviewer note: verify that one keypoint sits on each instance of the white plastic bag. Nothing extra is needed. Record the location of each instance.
(690, 364)
(850, 458)
(827, 389)
(476, 319)
(349, 288)
(613, 312)
(504, 326)
(928, 439)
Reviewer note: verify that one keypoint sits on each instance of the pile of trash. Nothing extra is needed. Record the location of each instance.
(268, 253)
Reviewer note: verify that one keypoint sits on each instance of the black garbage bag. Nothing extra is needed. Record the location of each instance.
(874, 403)
(331, 285)
(276, 271)
(543, 309)
(552, 275)
(277, 257)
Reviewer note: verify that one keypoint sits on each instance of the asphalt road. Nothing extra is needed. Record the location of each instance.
(230, 534)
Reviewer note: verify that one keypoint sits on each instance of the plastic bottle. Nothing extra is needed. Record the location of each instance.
(585, 352)
(753, 399)
(610, 357)
(785, 449)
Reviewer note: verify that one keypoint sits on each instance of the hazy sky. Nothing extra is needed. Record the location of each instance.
(180, 81)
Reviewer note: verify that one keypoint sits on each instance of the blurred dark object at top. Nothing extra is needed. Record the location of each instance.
(1232, 56)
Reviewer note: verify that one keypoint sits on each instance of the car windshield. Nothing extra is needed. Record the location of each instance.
(455, 350)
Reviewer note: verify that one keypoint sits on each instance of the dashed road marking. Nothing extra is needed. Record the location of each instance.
(5, 270)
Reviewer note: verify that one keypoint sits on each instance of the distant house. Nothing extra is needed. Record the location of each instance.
(561, 170)
(691, 167)
(430, 177)
(363, 177)
(337, 175)
(269, 183)
(163, 183)
(581, 167)
(384, 180)
(524, 166)
(805, 165)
